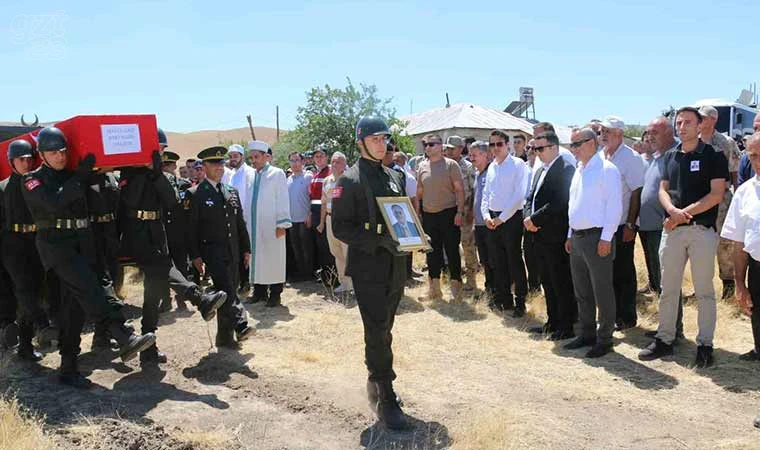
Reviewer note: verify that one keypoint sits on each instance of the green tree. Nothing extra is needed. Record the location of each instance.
(328, 118)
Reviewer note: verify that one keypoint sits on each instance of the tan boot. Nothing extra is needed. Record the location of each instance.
(434, 290)
(456, 290)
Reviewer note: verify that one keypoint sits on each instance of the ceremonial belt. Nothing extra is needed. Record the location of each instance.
(106, 218)
(140, 214)
(64, 224)
(24, 228)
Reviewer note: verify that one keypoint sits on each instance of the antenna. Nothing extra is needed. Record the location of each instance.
(448, 103)
(277, 118)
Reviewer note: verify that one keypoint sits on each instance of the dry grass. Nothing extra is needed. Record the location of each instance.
(19, 429)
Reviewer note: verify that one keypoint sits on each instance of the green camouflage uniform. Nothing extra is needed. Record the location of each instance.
(725, 247)
(468, 228)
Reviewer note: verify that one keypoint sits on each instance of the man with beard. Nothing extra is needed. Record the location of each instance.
(240, 176)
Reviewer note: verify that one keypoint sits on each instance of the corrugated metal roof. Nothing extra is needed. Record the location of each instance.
(464, 115)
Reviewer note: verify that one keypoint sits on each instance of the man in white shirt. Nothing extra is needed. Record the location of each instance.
(594, 211)
(501, 206)
(632, 171)
(742, 226)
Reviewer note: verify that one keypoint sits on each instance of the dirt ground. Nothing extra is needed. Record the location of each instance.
(469, 379)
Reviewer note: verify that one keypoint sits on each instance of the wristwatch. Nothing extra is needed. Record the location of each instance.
(630, 225)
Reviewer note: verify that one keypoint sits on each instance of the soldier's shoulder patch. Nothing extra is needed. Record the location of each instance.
(123, 182)
(32, 184)
(337, 192)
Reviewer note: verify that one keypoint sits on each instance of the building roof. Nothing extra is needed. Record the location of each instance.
(464, 115)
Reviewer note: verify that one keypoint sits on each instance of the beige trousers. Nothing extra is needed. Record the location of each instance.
(340, 251)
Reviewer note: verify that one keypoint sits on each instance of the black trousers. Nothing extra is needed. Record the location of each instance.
(505, 255)
(223, 269)
(107, 248)
(155, 289)
(558, 284)
(531, 262)
(27, 276)
(624, 279)
(481, 241)
(302, 245)
(753, 284)
(650, 242)
(444, 237)
(323, 257)
(267, 291)
(7, 300)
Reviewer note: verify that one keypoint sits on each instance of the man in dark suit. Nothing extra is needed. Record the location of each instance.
(545, 215)
(403, 227)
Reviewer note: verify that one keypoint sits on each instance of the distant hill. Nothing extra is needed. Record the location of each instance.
(187, 145)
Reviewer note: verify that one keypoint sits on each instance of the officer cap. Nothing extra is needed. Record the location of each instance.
(169, 157)
(371, 126)
(162, 137)
(51, 139)
(20, 148)
(213, 154)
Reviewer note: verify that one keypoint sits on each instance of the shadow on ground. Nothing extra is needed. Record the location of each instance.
(420, 436)
(217, 368)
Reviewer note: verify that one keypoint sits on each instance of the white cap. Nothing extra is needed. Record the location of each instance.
(236, 148)
(259, 146)
(613, 122)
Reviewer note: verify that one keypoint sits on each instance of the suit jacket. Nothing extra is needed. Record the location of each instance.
(551, 201)
(410, 225)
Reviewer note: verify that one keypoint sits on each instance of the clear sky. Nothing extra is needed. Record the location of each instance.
(204, 65)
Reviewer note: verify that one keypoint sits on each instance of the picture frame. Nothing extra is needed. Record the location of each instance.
(409, 235)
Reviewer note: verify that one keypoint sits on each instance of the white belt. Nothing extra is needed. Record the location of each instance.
(316, 202)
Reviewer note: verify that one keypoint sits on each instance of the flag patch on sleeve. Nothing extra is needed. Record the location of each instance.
(337, 192)
(32, 184)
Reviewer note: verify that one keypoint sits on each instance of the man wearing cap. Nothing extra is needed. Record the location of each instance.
(240, 176)
(324, 259)
(632, 171)
(218, 240)
(721, 143)
(270, 217)
(377, 267)
(301, 239)
(454, 147)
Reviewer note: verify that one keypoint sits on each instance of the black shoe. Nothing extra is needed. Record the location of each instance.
(27, 353)
(388, 410)
(561, 335)
(152, 355)
(599, 350)
(704, 356)
(9, 336)
(210, 303)
(729, 288)
(519, 311)
(577, 343)
(621, 326)
(751, 355)
(136, 344)
(69, 375)
(543, 329)
(656, 349)
(273, 301)
(244, 333)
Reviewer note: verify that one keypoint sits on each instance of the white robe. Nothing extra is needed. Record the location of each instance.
(242, 179)
(270, 209)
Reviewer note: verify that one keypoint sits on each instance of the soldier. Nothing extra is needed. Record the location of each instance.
(218, 240)
(377, 267)
(20, 256)
(175, 222)
(145, 192)
(56, 199)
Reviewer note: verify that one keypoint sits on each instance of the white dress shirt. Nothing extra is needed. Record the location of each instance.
(595, 197)
(505, 188)
(632, 171)
(743, 218)
(541, 180)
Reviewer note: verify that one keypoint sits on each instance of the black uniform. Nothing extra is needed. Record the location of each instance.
(377, 269)
(8, 328)
(103, 203)
(21, 259)
(219, 237)
(66, 245)
(175, 222)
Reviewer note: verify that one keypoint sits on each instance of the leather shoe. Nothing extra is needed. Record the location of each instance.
(599, 350)
(561, 335)
(704, 356)
(656, 349)
(577, 343)
(210, 303)
(152, 355)
(751, 355)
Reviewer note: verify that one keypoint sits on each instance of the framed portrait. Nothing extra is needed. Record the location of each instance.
(403, 224)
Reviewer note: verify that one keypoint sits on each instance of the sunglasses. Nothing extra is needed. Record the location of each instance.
(431, 144)
(577, 144)
(540, 148)
(497, 144)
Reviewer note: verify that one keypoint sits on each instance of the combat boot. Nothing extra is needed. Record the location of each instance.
(8, 336)
(208, 303)
(372, 396)
(152, 355)
(456, 290)
(69, 375)
(130, 344)
(25, 350)
(388, 410)
(434, 290)
(225, 339)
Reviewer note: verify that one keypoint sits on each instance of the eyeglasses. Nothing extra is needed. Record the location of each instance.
(577, 144)
(431, 144)
(540, 148)
(497, 144)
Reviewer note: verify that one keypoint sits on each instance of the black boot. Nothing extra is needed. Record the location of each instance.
(130, 344)
(519, 308)
(207, 304)
(25, 350)
(152, 356)
(388, 410)
(729, 288)
(226, 339)
(372, 395)
(69, 374)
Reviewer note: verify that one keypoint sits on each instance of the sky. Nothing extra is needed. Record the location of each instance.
(205, 65)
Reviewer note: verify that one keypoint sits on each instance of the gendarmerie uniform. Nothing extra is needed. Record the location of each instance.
(175, 223)
(219, 237)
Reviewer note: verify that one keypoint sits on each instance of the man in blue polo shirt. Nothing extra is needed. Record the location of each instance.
(693, 182)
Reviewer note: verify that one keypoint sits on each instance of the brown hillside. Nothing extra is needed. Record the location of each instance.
(189, 144)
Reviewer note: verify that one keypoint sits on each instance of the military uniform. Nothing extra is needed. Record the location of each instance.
(468, 228)
(218, 235)
(377, 268)
(725, 251)
(175, 223)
